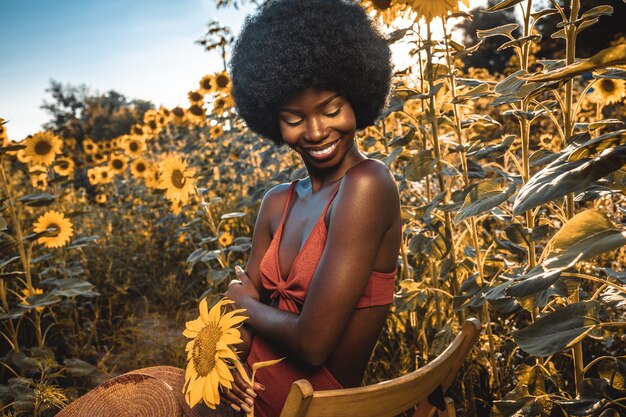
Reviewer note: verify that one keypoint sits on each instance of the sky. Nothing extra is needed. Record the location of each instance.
(142, 49)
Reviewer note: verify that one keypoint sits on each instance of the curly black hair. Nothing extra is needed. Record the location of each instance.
(288, 46)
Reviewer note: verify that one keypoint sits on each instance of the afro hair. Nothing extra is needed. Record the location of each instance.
(288, 46)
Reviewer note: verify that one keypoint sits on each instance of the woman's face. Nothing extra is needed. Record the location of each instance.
(319, 125)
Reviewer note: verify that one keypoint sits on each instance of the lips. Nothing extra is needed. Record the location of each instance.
(323, 152)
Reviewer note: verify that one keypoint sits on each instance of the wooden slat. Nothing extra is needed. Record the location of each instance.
(389, 398)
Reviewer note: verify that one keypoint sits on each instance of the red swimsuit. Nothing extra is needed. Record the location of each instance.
(291, 294)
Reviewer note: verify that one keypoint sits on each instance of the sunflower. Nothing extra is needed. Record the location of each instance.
(209, 353)
(30, 292)
(176, 178)
(176, 207)
(42, 147)
(386, 10)
(134, 145)
(22, 157)
(216, 131)
(89, 146)
(137, 129)
(222, 104)
(165, 114)
(92, 174)
(207, 84)
(195, 97)
(39, 181)
(196, 113)
(59, 223)
(101, 198)
(105, 176)
(430, 9)
(178, 114)
(4, 138)
(99, 157)
(608, 91)
(106, 145)
(64, 166)
(152, 177)
(139, 168)
(118, 163)
(225, 239)
(222, 81)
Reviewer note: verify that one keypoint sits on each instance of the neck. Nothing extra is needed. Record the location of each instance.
(321, 177)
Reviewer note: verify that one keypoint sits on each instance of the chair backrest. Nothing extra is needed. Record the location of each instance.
(388, 398)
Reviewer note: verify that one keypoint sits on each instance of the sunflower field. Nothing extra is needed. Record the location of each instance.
(513, 191)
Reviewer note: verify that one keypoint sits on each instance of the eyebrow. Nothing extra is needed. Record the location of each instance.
(319, 106)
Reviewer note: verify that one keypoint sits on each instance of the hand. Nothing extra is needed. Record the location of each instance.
(241, 288)
(241, 395)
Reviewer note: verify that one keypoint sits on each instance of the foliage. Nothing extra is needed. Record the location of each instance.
(512, 187)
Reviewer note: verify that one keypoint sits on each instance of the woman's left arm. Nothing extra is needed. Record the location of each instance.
(366, 206)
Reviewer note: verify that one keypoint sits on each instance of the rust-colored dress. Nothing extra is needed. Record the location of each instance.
(291, 293)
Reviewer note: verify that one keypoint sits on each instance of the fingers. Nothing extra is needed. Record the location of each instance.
(241, 395)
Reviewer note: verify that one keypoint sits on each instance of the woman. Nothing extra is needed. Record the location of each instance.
(319, 280)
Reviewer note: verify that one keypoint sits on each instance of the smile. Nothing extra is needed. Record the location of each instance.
(325, 152)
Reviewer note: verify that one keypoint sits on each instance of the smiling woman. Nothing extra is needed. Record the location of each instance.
(320, 277)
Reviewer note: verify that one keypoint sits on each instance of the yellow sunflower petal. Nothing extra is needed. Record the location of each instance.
(204, 310)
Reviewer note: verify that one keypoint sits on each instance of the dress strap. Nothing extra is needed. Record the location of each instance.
(292, 187)
(331, 200)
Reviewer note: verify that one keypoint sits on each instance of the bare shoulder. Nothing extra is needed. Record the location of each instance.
(272, 207)
(277, 194)
(371, 178)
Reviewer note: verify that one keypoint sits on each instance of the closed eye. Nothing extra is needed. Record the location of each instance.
(334, 113)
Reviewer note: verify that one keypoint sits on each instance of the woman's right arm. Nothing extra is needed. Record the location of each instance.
(270, 210)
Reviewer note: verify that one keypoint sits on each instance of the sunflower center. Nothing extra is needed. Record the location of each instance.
(118, 164)
(608, 85)
(140, 167)
(222, 81)
(382, 4)
(178, 179)
(43, 147)
(204, 348)
(54, 226)
(134, 146)
(196, 110)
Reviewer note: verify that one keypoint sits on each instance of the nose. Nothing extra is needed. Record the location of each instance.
(315, 130)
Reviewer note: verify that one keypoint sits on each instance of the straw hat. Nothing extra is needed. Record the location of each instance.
(146, 392)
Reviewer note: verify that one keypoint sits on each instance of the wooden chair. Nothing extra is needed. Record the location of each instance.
(424, 387)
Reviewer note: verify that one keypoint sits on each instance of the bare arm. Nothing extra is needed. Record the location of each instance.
(365, 207)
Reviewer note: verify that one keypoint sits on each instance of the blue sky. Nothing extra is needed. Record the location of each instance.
(141, 48)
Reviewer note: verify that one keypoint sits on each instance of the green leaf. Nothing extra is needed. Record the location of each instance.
(410, 297)
(72, 287)
(559, 330)
(596, 145)
(609, 57)
(506, 4)
(485, 196)
(387, 160)
(561, 178)
(585, 236)
(11, 148)
(404, 139)
(504, 30)
(602, 10)
(40, 300)
(38, 200)
(78, 367)
(420, 165)
(234, 215)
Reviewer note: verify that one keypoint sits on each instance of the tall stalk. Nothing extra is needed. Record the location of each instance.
(570, 55)
(473, 229)
(436, 148)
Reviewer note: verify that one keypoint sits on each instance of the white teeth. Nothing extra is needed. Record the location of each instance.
(324, 152)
